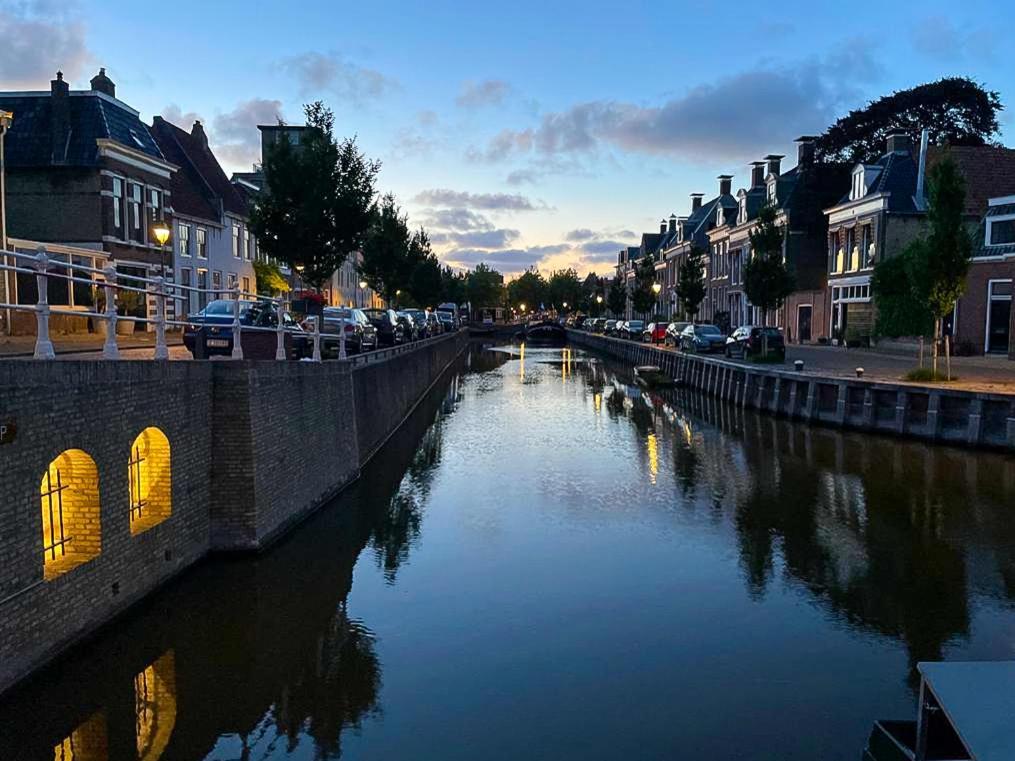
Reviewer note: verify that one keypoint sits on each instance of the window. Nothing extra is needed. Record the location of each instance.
(135, 211)
(117, 203)
(216, 284)
(236, 240)
(190, 298)
(155, 201)
(852, 253)
(866, 247)
(70, 513)
(231, 281)
(183, 237)
(149, 480)
(202, 285)
(771, 191)
(858, 190)
(202, 243)
(246, 285)
(248, 250)
(1002, 232)
(83, 294)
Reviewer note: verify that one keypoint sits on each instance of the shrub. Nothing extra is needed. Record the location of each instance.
(927, 375)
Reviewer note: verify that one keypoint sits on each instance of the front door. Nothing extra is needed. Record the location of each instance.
(999, 316)
(803, 323)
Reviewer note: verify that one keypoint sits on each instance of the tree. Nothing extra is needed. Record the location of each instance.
(268, 279)
(453, 286)
(955, 110)
(643, 298)
(529, 288)
(691, 282)
(318, 200)
(767, 278)
(616, 300)
(484, 286)
(564, 287)
(898, 286)
(426, 283)
(387, 261)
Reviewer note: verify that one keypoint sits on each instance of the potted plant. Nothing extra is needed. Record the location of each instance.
(127, 303)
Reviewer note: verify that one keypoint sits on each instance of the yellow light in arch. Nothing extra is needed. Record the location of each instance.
(150, 482)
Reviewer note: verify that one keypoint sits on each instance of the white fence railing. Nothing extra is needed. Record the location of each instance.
(45, 268)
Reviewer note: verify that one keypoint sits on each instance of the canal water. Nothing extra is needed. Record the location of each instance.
(548, 563)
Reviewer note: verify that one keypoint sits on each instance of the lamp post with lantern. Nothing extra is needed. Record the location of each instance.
(161, 232)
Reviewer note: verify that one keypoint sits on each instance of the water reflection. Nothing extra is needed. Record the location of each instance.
(243, 658)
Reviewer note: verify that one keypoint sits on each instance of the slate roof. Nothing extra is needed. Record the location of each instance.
(200, 186)
(93, 116)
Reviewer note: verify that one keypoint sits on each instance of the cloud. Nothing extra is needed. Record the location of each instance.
(600, 247)
(489, 92)
(459, 219)
(175, 115)
(940, 38)
(486, 201)
(38, 38)
(510, 260)
(522, 177)
(497, 238)
(331, 72)
(235, 136)
(581, 234)
(732, 117)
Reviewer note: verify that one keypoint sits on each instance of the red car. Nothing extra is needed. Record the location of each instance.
(655, 333)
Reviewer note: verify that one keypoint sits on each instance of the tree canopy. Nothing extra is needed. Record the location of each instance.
(529, 288)
(767, 278)
(955, 110)
(691, 282)
(643, 298)
(484, 286)
(318, 200)
(564, 287)
(616, 299)
(387, 263)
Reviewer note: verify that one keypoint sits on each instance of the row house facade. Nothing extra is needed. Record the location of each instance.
(85, 178)
(691, 231)
(886, 209)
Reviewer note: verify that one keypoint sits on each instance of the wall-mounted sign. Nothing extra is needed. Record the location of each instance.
(8, 430)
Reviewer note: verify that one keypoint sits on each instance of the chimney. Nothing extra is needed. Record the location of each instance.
(662, 227)
(696, 201)
(101, 83)
(774, 163)
(898, 141)
(805, 150)
(59, 118)
(197, 132)
(725, 184)
(757, 174)
(673, 223)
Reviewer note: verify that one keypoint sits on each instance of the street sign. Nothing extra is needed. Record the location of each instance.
(8, 430)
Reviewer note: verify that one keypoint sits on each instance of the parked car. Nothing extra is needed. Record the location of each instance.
(447, 320)
(632, 330)
(390, 332)
(654, 333)
(360, 334)
(600, 325)
(216, 321)
(434, 326)
(610, 327)
(673, 331)
(702, 339)
(749, 340)
(410, 328)
(451, 310)
(419, 317)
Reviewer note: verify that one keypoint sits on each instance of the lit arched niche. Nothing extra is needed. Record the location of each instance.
(71, 530)
(149, 480)
(155, 707)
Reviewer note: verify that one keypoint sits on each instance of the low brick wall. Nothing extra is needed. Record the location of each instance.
(923, 412)
(255, 446)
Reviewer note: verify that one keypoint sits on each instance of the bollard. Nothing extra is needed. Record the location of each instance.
(799, 365)
(43, 346)
(317, 338)
(161, 350)
(279, 332)
(109, 348)
(859, 372)
(237, 330)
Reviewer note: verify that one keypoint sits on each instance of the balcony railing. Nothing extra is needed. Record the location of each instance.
(44, 268)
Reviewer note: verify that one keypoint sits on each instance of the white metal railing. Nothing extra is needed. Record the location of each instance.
(41, 266)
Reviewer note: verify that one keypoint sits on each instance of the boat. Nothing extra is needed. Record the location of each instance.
(651, 376)
(966, 712)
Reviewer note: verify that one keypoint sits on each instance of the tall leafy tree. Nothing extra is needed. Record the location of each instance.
(319, 199)
(426, 283)
(955, 110)
(643, 298)
(453, 285)
(529, 288)
(564, 287)
(616, 300)
(691, 282)
(767, 278)
(484, 287)
(899, 288)
(388, 261)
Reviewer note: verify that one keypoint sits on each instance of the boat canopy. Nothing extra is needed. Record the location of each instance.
(979, 700)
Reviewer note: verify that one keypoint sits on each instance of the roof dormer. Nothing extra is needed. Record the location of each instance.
(772, 189)
(863, 179)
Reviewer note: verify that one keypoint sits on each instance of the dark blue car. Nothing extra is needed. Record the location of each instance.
(215, 323)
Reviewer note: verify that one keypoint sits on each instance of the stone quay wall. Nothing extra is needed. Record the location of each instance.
(922, 412)
(254, 447)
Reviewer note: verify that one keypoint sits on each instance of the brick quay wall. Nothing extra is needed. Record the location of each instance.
(253, 448)
(933, 413)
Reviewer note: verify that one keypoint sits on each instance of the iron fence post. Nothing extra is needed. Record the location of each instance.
(280, 333)
(43, 346)
(161, 350)
(317, 338)
(237, 330)
(341, 340)
(109, 348)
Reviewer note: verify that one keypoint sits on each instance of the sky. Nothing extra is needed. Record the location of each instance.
(525, 133)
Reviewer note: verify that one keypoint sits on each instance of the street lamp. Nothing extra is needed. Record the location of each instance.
(362, 287)
(161, 232)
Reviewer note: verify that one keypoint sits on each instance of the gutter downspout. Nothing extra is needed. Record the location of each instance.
(921, 199)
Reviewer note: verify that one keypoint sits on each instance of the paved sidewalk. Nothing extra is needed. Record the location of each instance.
(82, 344)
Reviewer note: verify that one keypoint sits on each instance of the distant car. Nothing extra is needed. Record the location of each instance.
(600, 325)
(749, 340)
(434, 325)
(702, 339)
(410, 327)
(673, 331)
(419, 317)
(450, 309)
(360, 334)
(655, 332)
(215, 321)
(632, 330)
(447, 320)
(610, 327)
(390, 332)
